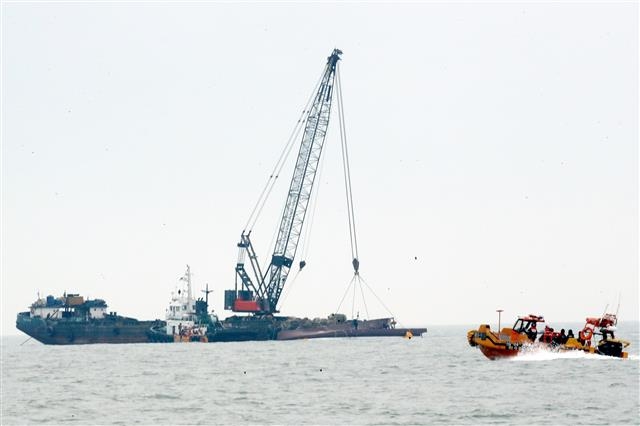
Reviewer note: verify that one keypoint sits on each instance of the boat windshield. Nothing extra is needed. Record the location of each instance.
(526, 324)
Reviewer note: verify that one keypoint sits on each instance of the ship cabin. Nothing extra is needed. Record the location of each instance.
(68, 306)
(47, 308)
(180, 313)
(528, 325)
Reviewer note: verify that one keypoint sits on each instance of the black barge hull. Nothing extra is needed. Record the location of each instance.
(112, 329)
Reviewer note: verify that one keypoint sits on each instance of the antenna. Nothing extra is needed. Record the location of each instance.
(206, 295)
(499, 311)
(189, 283)
(603, 314)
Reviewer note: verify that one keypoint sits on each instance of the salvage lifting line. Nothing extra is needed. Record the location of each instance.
(357, 281)
(353, 239)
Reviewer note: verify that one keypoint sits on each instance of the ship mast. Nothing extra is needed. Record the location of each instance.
(188, 275)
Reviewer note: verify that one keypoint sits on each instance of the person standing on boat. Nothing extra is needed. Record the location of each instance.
(533, 332)
(562, 338)
(607, 331)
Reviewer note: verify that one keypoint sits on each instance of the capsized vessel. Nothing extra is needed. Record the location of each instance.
(189, 320)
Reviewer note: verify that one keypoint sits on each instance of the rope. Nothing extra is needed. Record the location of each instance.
(284, 154)
(345, 294)
(272, 178)
(287, 290)
(364, 301)
(379, 300)
(353, 300)
(314, 203)
(347, 170)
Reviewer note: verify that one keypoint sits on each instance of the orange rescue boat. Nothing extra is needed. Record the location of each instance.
(510, 342)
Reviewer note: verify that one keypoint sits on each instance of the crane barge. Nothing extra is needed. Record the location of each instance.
(258, 293)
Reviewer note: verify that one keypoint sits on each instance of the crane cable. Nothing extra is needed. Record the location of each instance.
(353, 240)
(306, 234)
(305, 244)
(357, 279)
(266, 191)
(287, 290)
(347, 175)
(313, 207)
(362, 281)
(345, 294)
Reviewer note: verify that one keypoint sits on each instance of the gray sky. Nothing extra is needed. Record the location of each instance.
(494, 153)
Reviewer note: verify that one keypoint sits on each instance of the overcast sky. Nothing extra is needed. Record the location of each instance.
(494, 153)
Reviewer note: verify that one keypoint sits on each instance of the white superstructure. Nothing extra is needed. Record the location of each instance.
(181, 314)
(69, 305)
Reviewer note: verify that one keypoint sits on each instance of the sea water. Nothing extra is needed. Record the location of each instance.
(435, 379)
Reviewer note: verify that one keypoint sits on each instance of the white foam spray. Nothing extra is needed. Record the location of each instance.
(535, 353)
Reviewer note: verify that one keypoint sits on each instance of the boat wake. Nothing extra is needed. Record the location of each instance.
(542, 354)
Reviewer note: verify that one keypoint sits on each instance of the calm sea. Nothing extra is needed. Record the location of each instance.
(436, 379)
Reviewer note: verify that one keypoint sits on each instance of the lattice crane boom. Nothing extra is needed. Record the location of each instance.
(261, 294)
